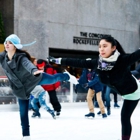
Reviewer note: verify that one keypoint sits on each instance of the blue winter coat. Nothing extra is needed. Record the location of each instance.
(94, 84)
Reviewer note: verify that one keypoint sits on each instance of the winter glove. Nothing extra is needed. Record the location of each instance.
(85, 85)
(54, 60)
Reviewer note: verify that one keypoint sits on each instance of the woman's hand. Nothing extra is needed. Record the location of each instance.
(38, 72)
(54, 60)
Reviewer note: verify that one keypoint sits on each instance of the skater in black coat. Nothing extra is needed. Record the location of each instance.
(113, 69)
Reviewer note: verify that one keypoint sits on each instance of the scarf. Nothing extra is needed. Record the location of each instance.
(108, 63)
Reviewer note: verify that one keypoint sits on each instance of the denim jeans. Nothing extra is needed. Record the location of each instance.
(51, 79)
(107, 96)
(42, 101)
(23, 109)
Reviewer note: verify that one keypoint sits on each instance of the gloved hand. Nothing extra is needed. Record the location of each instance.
(85, 85)
(54, 60)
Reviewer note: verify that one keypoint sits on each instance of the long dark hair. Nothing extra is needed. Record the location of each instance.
(114, 42)
(24, 51)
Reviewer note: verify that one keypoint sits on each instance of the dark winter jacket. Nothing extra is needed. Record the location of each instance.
(119, 78)
(20, 71)
(94, 82)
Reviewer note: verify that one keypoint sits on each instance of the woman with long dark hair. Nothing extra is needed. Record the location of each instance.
(113, 69)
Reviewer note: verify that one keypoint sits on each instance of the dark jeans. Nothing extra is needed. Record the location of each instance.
(107, 96)
(54, 100)
(23, 109)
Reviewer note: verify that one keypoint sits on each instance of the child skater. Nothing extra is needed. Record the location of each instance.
(112, 67)
(23, 76)
(90, 81)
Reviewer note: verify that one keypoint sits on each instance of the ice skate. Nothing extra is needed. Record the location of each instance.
(36, 114)
(116, 105)
(72, 78)
(57, 113)
(90, 115)
(104, 115)
(26, 138)
(52, 113)
(99, 113)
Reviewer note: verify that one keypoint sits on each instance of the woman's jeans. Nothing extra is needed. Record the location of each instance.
(23, 109)
(107, 95)
(42, 101)
(24, 104)
(48, 79)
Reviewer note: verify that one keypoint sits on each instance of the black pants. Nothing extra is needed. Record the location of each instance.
(54, 100)
(126, 112)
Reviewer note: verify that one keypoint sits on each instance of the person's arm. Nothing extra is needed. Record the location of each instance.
(29, 66)
(93, 82)
(80, 63)
(130, 59)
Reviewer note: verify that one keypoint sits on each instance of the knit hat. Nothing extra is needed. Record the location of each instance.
(15, 40)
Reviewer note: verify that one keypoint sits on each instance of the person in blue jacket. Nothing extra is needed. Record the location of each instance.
(90, 80)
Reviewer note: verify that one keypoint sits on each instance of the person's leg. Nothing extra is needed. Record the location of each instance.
(42, 101)
(107, 96)
(35, 106)
(95, 102)
(54, 101)
(90, 96)
(101, 104)
(51, 79)
(126, 112)
(103, 94)
(115, 99)
(23, 109)
(30, 105)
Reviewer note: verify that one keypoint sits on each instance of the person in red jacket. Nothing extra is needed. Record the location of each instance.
(51, 89)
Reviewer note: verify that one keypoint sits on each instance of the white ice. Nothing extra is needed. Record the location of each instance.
(71, 125)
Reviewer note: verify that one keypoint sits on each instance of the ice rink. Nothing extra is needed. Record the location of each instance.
(71, 125)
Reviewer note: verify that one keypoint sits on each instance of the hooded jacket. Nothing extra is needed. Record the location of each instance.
(19, 72)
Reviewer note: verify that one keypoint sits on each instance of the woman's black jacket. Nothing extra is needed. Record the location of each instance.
(119, 78)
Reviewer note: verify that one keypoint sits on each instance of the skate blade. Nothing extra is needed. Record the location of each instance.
(89, 117)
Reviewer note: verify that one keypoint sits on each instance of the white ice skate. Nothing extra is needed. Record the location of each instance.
(26, 138)
(72, 78)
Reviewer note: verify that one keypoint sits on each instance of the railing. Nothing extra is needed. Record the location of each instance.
(66, 93)
(6, 94)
